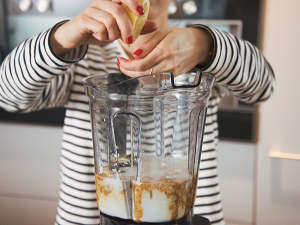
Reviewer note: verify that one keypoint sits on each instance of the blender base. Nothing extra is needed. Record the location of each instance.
(197, 220)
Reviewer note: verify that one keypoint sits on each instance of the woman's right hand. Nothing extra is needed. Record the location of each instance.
(102, 21)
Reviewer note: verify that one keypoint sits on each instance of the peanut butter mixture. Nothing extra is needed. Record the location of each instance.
(177, 191)
(180, 193)
(101, 189)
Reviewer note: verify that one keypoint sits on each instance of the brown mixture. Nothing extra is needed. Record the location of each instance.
(178, 191)
(101, 189)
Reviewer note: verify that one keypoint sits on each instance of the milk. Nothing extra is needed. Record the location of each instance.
(111, 197)
(165, 193)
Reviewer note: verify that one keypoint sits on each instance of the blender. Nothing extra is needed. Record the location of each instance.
(147, 137)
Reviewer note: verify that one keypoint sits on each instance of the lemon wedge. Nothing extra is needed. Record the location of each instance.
(138, 22)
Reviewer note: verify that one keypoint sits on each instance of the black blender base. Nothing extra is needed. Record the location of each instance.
(108, 220)
(199, 220)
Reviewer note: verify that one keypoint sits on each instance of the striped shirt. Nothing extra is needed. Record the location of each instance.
(33, 78)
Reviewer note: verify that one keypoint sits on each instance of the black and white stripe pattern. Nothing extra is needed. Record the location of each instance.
(240, 67)
(33, 78)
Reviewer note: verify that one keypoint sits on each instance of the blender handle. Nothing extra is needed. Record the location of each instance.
(139, 152)
(199, 75)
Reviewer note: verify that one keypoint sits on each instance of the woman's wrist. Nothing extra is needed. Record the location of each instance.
(61, 47)
(205, 45)
(57, 40)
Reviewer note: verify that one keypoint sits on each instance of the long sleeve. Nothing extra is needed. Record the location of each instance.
(33, 78)
(240, 67)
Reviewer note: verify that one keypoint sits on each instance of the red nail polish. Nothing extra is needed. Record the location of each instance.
(138, 52)
(129, 40)
(140, 10)
(118, 63)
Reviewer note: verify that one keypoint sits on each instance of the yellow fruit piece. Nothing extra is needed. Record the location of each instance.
(138, 22)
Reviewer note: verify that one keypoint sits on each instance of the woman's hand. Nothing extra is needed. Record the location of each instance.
(179, 51)
(102, 21)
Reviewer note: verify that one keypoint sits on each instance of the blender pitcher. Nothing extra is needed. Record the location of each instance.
(147, 138)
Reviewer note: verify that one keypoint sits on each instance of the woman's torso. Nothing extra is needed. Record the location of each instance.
(77, 197)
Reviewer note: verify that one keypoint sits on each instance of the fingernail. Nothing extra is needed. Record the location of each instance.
(140, 10)
(118, 63)
(138, 52)
(129, 40)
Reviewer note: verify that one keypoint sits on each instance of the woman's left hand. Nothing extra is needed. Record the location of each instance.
(179, 51)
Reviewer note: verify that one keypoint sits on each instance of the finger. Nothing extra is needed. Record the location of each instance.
(149, 27)
(143, 64)
(121, 17)
(147, 47)
(156, 69)
(136, 73)
(169, 63)
(102, 35)
(135, 6)
(108, 20)
(94, 27)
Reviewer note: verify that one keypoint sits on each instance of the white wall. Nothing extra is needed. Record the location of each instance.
(236, 171)
(29, 173)
(278, 189)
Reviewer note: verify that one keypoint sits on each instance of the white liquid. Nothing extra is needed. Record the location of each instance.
(114, 204)
(162, 196)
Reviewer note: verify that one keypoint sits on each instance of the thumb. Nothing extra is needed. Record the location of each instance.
(149, 27)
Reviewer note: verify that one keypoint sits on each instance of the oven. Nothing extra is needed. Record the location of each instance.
(21, 19)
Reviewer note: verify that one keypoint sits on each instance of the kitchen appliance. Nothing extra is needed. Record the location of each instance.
(108, 220)
(147, 137)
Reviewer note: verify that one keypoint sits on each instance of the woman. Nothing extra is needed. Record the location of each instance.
(46, 71)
